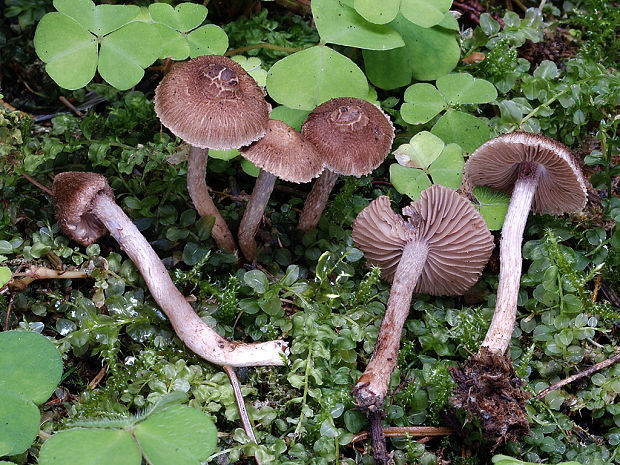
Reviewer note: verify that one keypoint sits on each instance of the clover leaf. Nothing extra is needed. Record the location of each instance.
(492, 205)
(425, 13)
(377, 12)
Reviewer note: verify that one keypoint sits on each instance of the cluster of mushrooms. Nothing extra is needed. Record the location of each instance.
(440, 248)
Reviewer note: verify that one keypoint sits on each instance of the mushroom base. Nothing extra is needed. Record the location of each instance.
(488, 388)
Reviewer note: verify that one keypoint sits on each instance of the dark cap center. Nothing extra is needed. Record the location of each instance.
(220, 82)
(349, 117)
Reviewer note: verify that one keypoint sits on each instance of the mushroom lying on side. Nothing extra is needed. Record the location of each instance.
(211, 103)
(542, 176)
(441, 249)
(283, 153)
(353, 137)
(85, 210)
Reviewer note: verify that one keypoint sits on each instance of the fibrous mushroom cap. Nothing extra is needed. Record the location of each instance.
(72, 195)
(211, 102)
(353, 135)
(561, 187)
(459, 243)
(285, 153)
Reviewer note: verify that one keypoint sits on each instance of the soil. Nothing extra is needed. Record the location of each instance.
(488, 389)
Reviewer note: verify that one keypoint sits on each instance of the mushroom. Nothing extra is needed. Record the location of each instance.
(441, 249)
(541, 175)
(283, 153)
(85, 210)
(353, 136)
(211, 103)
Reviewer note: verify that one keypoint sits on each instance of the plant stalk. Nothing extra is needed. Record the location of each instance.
(190, 328)
(497, 339)
(316, 200)
(197, 187)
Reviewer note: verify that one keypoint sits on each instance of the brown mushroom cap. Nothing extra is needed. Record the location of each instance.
(211, 102)
(72, 195)
(284, 153)
(561, 187)
(353, 135)
(459, 243)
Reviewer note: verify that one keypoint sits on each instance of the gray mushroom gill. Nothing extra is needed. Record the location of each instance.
(441, 249)
(211, 103)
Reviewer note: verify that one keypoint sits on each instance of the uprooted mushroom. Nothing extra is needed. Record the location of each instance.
(441, 249)
(211, 103)
(542, 177)
(85, 210)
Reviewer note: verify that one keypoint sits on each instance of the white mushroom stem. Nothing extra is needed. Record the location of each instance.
(194, 332)
(497, 339)
(197, 187)
(373, 385)
(254, 212)
(316, 200)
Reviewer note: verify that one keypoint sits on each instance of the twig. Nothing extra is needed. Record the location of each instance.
(70, 106)
(586, 372)
(413, 431)
(97, 379)
(279, 48)
(40, 272)
(47, 190)
(8, 312)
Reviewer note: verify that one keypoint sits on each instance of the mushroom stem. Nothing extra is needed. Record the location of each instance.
(197, 187)
(190, 328)
(254, 212)
(316, 200)
(497, 339)
(373, 385)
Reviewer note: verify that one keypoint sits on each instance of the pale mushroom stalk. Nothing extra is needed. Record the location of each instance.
(497, 339)
(316, 200)
(199, 193)
(373, 385)
(254, 212)
(190, 328)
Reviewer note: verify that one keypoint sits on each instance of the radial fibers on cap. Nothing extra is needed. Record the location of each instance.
(211, 102)
(561, 187)
(284, 153)
(72, 195)
(459, 243)
(353, 135)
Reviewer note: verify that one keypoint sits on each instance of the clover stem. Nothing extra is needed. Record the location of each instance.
(497, 339)
(254, 212)
(316, 200)
(189, 327)
(197, 187)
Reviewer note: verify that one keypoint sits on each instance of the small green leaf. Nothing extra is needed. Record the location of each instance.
(408, 181)
(30, 364)
(422, 103)
(184, 17)
(207, 40)
(90, 447)
(19, 423)
(389, 69)
(174, 44)
(342, 25)
(463, 129)
(326, 74)
(253, 67)
(257, 280)
(100, 19)
(421, 151)
(294, 118)
(68, 49)
(464, 88)
(5, 275)
(377, 12)
(424, 13)
(249, 168)
(492, 205)
(447, 169)
(126, 52)
(179, 435)
(224, 154)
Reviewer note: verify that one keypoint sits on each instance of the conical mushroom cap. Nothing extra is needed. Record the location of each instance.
(561, 187)
(353, 135)
(211, 102)
(285, 153)
(459, 243)
(72, 195)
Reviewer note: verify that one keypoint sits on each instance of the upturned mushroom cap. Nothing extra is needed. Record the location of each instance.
(285, 153)
(459, 243)
(211, 102)
(353, 135)
(561, 187)
(72, 195)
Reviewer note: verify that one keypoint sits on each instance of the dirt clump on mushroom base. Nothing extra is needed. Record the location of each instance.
(488, 388)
